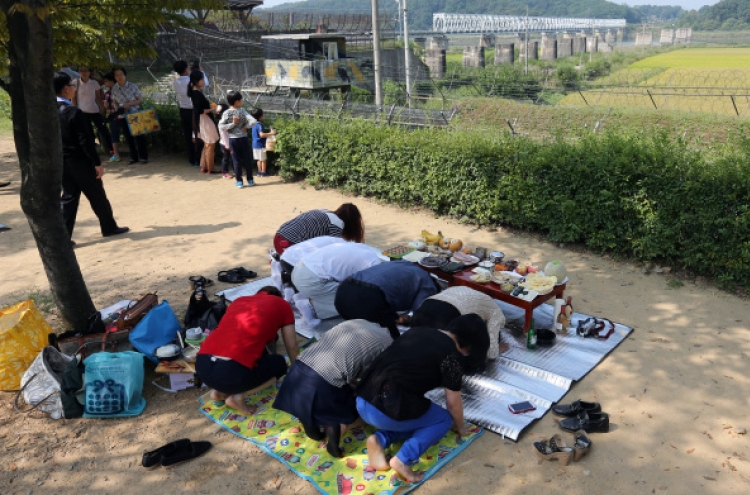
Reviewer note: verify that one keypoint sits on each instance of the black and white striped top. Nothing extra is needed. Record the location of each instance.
(311, 224)
(345, 351)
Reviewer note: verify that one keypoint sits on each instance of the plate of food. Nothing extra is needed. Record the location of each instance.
(539, 282)
(433, 261)
(466, 259)
(398, 252)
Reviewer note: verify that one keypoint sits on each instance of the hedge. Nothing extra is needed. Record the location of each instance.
(630, 192)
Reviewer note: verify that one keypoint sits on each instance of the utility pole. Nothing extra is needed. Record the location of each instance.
(407, 52)
(526, 41)
(376, 54)
(398, 22)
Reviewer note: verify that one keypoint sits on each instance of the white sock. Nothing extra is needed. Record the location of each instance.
(306, 309)
(289, 294)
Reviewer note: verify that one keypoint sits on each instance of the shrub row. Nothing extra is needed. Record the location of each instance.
(634, 193)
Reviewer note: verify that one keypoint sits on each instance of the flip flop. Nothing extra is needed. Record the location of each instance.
(231, 277)
(244, 273)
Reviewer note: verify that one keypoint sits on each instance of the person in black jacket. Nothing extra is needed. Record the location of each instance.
(82, 169)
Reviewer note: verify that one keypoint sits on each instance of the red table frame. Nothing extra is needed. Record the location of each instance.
(493, 290)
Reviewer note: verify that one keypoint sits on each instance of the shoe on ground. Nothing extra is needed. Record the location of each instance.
(239, 184)
(590, 423)
(144, 161)
(117, 231)
(250, 183)
(153, 459)
(227, 176)
(185, 453)
(132, 161)
(114, 158)
(574, 408)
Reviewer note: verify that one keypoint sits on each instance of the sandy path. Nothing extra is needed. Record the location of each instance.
(677, 389)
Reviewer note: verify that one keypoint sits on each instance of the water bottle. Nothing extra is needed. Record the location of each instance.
(531, 336)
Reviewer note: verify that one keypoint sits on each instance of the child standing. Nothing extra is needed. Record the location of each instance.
(203, 123)
(226, 152)
(236, 121)
(259, 141)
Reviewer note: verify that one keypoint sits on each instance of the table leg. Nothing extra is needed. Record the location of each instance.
(527, 321)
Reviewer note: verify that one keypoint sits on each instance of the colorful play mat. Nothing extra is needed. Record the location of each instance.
(280, 435)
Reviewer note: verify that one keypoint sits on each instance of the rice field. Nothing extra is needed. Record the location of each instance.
(707, 80)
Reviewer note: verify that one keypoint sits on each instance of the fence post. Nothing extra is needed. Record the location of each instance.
(652, 99)
(734, 104)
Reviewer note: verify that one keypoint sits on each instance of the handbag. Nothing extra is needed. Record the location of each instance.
(110, 339)
(23, 334)
(159, 327)
(41, 383)
(114, 385)
(130, 317)
(143, 122)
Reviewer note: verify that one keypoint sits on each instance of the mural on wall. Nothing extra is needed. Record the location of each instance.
(314, 74)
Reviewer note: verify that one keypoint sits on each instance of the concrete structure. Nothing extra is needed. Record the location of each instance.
(598, 35)
(505, 53)
(604, 47)
(579, 44)
(533, 50)
(620, 35)
(564, 47)
(478, 23)
(486, 40)
(473, 56)
(644, 38)
(566, 34)
(434, 58)
(549, 48)
(683, 35)
(592, 44)
(440, 42)
(667, 37)
(610, 37)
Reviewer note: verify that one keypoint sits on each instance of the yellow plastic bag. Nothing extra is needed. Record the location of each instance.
(23, 334)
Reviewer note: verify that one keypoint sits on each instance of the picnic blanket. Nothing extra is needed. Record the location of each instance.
(280, 435)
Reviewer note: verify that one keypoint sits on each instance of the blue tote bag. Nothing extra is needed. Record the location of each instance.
(159, 327)
(114, 385)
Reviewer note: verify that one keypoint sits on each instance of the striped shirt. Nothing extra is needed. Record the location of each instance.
(311, 224)
(344, 352)
(467, 300)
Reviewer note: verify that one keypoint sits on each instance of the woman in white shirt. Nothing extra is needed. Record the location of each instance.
(89, 99)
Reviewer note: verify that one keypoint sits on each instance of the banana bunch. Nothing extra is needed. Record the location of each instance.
(431, 238)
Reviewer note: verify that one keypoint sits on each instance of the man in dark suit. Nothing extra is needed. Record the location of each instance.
(82, 169)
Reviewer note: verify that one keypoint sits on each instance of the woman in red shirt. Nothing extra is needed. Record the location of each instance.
(233, 359)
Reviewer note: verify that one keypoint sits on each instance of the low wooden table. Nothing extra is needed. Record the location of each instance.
(493, 290)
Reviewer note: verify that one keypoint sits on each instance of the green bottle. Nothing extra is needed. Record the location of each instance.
(531, 336)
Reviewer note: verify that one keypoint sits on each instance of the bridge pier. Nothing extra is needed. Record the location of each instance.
(579, 44)
(473, 56)
(486, 40)
(505, 53)
(610, 37)
(592, 44)
(435, 61)
(533, 50)
(564, 47)
(549, 48)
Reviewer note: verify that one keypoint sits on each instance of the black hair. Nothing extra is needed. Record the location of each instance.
(120, 68)
(195, 77)
(60, 80)
(109, 76)
(233, 97)
(354, 226)
(180, 66)
(471, 333)
(257, 114)
(224, 107)
(273, 291)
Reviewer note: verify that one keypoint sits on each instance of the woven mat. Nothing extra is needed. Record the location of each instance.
(280, 435)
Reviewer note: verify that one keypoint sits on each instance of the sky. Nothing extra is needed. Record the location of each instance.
(685, 4)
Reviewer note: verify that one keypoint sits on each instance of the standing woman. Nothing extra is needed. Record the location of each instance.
(129, 100)
(203, 122)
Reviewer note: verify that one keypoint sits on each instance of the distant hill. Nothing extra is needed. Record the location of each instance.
(727, 15)
(420, 11)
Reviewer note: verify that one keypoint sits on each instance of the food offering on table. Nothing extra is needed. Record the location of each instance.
(556, 269)
(481, 277)
(506, 280)
(523, 293)
(397, 252)
(430, 238)
(419, 245)
(539, 282)
(466, 259)
(433, 261)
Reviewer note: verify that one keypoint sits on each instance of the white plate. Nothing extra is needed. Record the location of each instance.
(474, 260)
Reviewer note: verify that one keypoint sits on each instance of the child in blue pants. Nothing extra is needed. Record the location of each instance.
(236, 121)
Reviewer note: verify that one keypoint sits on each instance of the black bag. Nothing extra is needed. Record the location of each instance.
(72, 383)
(197, 307)
(213, 315)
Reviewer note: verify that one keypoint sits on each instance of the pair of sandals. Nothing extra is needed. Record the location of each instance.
(236, 275)
(600, 328)
(556, 449)
(200, 282)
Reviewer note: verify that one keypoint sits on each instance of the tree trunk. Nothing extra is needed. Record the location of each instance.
(36, 131)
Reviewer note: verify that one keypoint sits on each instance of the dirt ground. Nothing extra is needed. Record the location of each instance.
(677, 389)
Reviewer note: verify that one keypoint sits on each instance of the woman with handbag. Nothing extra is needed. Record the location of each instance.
(203, 122)
(129, 100)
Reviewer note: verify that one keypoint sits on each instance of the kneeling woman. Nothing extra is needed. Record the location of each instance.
(233, 359)
(391, 393)
(318, 389)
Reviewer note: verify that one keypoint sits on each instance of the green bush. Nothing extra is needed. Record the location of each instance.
(643, 195)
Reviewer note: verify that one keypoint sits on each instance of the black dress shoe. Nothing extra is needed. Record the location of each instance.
(185, 453)
(117, 231)
(576, 407)
(334, 438)
(152, 459)
(590, 423)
